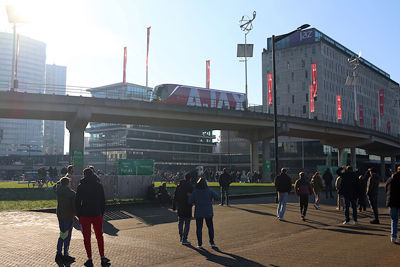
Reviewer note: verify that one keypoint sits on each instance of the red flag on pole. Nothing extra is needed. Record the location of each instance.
(388, 126)
(361, 115)
(312, 101)
(374, 122)
(314, 79)
(339, 106)
(147, 56)
(207, 73)
(16, 59)
(124, 76)
(381, 96)
(269, 89)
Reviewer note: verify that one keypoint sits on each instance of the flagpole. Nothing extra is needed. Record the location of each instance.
(147, 56)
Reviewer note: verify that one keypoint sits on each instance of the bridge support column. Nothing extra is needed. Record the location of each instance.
(254, 155)
(76, 127)
(266, 163)
(353, 158)
(339, 156)
(383, 169)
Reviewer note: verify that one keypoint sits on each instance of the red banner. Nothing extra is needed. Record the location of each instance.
(388, 126)
(312, 102)
(374, 122)
(339, 106)
(381, 95)
(314, 79)
(361, 116)
(269, 89)
(207, 73)
(124, 78)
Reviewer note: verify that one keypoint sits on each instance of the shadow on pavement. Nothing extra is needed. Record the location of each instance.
(254, 211)
(351, 231)
(228, 260)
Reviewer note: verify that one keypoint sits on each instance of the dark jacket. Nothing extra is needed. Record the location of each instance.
(181, 196)
(373, 185)
(363, 185)
(90, 199)
(302, 187)
(393, 191)
(65, 202)
(202, 199)
(283, 183)
(328, 177)
(224, 180)
(349, 186)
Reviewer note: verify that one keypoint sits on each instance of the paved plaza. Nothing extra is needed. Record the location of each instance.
(247, 234)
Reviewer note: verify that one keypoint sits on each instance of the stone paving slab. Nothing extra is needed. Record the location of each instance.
(247, 234)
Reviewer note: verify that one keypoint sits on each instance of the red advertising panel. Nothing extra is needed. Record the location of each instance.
(361, 116)
(339, 106)
(381, 95)
(375, 122)
(269, 89)
(312, 101)
(388, 126)
(207, 73)
(314, 79)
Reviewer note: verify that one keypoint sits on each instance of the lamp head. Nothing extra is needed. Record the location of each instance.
(302, 27)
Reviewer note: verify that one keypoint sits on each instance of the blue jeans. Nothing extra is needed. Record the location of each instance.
(347, 203)
(394, 215)
(224, 194)
(183, 232)
(65, 236)
(282, 199)
(199, 230)
(373, 201)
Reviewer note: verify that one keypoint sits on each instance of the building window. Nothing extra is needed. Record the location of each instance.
(288, 88)
(291, 53)
(304, 109)
(303, 86)
(278, 100)
(292, 99)
(313, 49)
(303, 63)
(292, 76)
(288, 110)
(306, 74)
(288, 65)
(306, 51)
(307, 97)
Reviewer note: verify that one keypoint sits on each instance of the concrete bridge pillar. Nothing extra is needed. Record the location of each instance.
(339, 156)
(76, 127)
(254, 155)
(353, 158)
(266, 160)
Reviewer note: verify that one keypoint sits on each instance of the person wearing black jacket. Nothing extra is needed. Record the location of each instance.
(372, 192)
(182, 192)
(393, 202)
(283, 185)
(90, 204)
(349, 189)
(328, 177)
(224, 182)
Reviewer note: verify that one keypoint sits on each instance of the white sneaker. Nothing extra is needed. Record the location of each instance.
(315, 206)
(355, 223)
(393, 240)
(213, 245)
(200, 247)
(345, 222)
(185, 243)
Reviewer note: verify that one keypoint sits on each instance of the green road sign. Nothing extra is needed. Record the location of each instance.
(135, 167)
(267, 165)
(77, 158)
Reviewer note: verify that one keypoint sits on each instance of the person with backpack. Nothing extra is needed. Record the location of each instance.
(283, 185)
(303, 189)
(393, 202)
(90, 206)
(203, 197)
(65, 215)
(181, 196)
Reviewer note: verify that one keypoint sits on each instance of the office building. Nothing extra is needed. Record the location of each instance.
(22, 137)
(53, 135)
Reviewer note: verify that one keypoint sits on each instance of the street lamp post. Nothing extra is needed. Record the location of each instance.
(276, 39)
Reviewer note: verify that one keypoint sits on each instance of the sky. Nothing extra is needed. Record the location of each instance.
(88, 37)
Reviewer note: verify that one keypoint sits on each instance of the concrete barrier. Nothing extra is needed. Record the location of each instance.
(120, 187)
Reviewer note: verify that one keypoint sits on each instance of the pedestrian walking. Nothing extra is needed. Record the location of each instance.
(65, 215)
(362, 199)
(317, 187)
(90, 204)
(393, 202)
(283, 185)
(182, 192)
(224, 182)
(339, 202)
(303, 190)
(203, 197)
(372, 192)
(349, 189)
(328, 178)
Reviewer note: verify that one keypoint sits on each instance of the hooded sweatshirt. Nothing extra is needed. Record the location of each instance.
(65, 202)
(90, 199)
